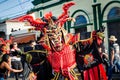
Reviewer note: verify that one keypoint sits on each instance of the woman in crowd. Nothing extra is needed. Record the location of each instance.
(4, 50)
(5, 66)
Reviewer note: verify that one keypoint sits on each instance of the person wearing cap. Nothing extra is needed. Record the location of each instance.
(114, 53)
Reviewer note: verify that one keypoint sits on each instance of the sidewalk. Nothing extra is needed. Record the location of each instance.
(13, 79)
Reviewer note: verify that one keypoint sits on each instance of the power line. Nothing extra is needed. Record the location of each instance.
(6, 16)
(3, 1)
(21, 14)
(18, 15)
(20, 4)
(14, 6)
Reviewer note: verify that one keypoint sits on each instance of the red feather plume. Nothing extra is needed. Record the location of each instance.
(65, 9)
(63, 17)
(2, 41)
(38, 23)
(48, 15)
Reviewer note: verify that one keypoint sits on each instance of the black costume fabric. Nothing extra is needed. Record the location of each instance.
(39, 63)
(86, 50)
(89, 61)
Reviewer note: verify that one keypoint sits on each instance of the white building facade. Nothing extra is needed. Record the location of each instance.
(18, 30)
(89, 15)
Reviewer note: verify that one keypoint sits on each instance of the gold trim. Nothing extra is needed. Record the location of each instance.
(74, 74)
(35, 51)
(66, 78)
(42, 62)
(64, 33)
(56, 76)
(91, 39)
(47, 41)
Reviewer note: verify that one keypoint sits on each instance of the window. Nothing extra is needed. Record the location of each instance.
(40, 13)
(114, 27)
(80, 20)
(114, 13)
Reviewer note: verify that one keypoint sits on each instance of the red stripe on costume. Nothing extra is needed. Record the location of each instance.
(95, 71)
(91, 74)
(102, 72)
(92, 77)
(85, 74)
(46, 47)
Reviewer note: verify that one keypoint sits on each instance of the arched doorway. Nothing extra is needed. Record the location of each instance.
(114, 27)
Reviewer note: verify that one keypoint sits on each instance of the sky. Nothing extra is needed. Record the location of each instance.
(13, 8)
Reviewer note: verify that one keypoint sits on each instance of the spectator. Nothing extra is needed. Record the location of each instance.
(4, 50)
(4, 66)
(31, 46)
(105, 58)
(101, 51)
(114, 53)
(16, 58)
(8, 47)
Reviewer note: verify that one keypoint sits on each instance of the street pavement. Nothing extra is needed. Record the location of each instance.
(115, 77)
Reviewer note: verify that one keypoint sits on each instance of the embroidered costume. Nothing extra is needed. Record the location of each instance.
(87, 56)
(37, 62)
(65, 58)
(56, 41)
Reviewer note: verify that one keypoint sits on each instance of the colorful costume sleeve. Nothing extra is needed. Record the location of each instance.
(88, 59)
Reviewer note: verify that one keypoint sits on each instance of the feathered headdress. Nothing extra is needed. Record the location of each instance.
(41, 23)
(2, 41)
(6, 43)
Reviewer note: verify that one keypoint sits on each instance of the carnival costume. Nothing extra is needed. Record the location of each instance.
(87, 55)
(37, 63)
(62, 50)
(7, 43)
(56, 41)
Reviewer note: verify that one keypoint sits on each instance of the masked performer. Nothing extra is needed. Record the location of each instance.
(61, 54)
(87, 55)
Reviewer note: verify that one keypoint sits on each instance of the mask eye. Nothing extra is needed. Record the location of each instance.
(49, 35)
